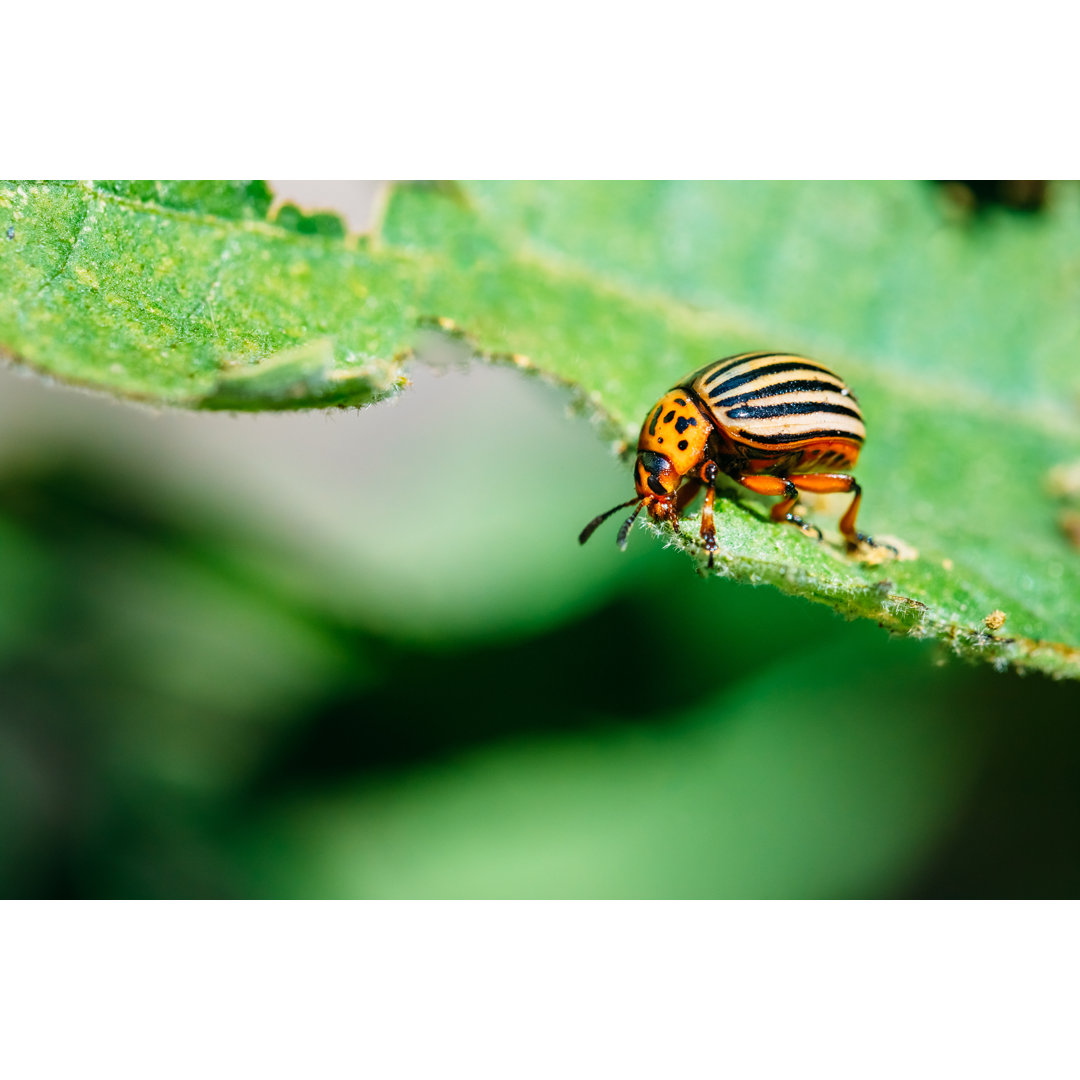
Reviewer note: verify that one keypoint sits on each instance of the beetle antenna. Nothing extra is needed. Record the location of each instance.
(624, 532)
(600, 519)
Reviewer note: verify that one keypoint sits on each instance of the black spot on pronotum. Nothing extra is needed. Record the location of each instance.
(684, 422)
(670, 416)
(683, 444)
(656, 486)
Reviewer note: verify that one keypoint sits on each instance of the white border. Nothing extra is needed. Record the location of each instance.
(527, 990)
(553, 90)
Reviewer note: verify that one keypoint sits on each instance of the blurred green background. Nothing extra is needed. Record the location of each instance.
(361, 654)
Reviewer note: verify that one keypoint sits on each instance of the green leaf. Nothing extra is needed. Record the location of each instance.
(958, 341)
(957, 338)
(188, 294)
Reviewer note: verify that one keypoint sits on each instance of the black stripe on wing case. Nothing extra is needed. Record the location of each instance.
(789, 387)
(789, 408)
(808, 436)
(768, 369)
(735, 361)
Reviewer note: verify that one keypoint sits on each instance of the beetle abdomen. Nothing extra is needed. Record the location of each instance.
(777, 403)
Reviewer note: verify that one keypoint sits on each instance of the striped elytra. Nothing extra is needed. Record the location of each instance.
(775, 402)
(775, 423)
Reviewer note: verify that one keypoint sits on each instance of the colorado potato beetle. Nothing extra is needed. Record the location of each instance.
(776, 424)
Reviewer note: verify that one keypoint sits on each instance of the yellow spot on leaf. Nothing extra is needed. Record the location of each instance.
(87, 276)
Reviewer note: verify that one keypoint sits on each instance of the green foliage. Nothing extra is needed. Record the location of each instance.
(957, 339)
(239, 200)
(958, 342)
(186, 294)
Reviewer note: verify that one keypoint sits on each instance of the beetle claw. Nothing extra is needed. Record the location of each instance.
(869, 541)
(805, 526)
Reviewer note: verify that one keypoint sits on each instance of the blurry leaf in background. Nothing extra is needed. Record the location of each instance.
(180, 591)
(25, 584)
(386, 517)
(149, 671)
(781, 786)
(455, 514)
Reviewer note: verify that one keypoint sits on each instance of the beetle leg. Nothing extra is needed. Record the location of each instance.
(708, 526)
(782, 511)
(683, 497)
(826, 483)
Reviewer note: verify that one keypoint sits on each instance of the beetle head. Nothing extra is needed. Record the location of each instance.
(654, 476)
(656, 480)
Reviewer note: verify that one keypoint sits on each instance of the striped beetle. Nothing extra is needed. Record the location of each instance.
(775, 423)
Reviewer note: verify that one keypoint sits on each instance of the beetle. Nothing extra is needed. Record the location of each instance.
(775, 423)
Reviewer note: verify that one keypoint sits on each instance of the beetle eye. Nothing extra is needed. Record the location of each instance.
(656, 474)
